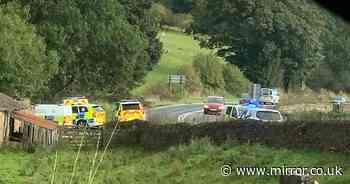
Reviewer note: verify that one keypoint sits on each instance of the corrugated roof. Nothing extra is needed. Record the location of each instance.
(8, 103)
(31, 118)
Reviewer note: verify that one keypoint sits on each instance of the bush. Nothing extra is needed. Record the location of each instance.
(210, 71)
(181, 20)
(162, 13)
(215, 74)
(162, 91)
(167, 17)
(193, 83)
(235, 81)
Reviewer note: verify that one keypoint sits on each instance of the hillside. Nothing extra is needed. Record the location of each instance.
(179, 50)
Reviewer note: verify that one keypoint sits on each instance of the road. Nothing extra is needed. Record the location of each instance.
(184, 113)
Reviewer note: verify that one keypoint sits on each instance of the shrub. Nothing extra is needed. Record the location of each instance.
(167, 17)
(210, 71)
(181, 20)
(219, 76)
(235, 81)
(162, 13)
(193, 82)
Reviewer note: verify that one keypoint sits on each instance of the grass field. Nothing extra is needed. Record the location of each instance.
(179, 50)
(199, 162)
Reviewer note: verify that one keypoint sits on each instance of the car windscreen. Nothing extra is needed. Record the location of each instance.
(266, 92)
(268, 115)
(131, 106)
(216, 100)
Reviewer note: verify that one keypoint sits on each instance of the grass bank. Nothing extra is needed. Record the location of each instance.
(198, 162)
(179, 50)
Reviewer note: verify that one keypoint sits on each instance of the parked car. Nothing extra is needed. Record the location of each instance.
(214, 105)
(233, 112)
(129, 110)
(259, 114)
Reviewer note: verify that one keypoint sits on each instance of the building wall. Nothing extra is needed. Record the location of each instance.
(2, 127)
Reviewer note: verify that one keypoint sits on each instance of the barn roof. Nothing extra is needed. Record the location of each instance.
(35, 120)
(9, 104)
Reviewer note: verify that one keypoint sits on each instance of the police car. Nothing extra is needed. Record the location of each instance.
(253, 111)
(129, 110)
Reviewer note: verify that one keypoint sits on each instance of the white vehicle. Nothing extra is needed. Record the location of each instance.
(264, 115)
(258, 114)
(57, 113)
(233, 112)
(269, 96)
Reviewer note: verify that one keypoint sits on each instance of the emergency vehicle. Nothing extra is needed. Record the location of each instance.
(253, 111)
(82, 112)
(129, 110)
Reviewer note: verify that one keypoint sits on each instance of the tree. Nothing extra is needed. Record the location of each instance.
(178, 6)
(193, 81)
(235, 81)
(333, 72)
(105, 47)
(26, 64)
(210, 71)
(270, 41)
(139, 14)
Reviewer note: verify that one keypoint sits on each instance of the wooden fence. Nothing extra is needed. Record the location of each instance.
(80, 137)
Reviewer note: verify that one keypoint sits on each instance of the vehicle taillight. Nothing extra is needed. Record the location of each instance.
(221, 107)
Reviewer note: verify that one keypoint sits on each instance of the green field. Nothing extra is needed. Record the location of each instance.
(199, 162)
(179, 50)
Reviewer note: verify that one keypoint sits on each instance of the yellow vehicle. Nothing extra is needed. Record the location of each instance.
(129, 110)
(82, 112)
(76, 101)
(99, 114)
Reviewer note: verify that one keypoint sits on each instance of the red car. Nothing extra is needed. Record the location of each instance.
(215, 105)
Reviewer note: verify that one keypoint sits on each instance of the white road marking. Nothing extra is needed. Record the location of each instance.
(182, 117)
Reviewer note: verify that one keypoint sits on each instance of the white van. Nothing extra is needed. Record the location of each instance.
(62, 114)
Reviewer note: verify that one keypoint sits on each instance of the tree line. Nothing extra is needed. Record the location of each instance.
(283, 43)
(50, 49)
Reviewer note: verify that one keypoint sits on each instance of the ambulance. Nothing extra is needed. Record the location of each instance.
(82, 112)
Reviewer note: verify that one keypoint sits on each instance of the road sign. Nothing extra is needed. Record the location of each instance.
(176, 79)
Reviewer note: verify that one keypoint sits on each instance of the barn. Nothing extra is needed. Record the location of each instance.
(19, 125)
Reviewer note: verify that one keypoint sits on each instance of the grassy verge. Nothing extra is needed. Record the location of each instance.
(198, 162)
(318, 116)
